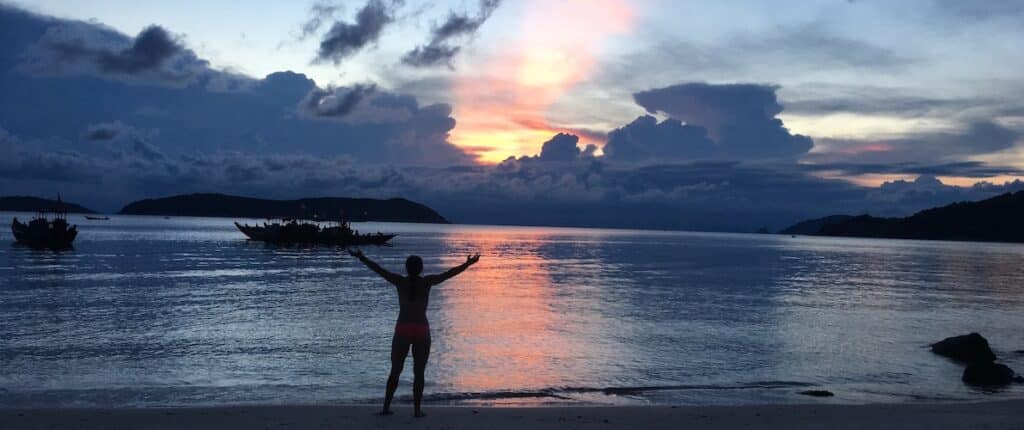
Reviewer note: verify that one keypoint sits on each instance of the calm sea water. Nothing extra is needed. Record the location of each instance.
(184, 311)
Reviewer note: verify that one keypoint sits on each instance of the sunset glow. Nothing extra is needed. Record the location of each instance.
(501, 110)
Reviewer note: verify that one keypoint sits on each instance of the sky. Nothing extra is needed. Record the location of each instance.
(636, 113)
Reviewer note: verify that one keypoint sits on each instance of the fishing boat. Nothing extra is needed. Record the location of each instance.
(46, 230)
(97, 218)
(294, 232)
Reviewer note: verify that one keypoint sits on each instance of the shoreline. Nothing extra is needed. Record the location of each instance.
(1000, 414)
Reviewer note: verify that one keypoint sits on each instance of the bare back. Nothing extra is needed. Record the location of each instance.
(413, 297)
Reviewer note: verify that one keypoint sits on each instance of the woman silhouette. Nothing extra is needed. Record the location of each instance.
(412, 328)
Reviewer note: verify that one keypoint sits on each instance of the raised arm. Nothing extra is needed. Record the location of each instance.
(450, 273)
(384, 273)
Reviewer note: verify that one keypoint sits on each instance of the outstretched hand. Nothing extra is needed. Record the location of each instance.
(472, 259)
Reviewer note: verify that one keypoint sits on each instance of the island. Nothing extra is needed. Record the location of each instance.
(36, 204)
(324, 208)
(997, 219)
(813, 226)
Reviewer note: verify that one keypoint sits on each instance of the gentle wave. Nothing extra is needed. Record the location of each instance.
(562, 393)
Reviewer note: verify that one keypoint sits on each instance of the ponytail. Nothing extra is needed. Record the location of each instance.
(413, 266)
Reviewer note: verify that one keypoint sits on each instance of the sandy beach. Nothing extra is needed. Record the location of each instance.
(982, 415)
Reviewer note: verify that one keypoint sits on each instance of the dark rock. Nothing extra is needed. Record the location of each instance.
(988, 374)
(971, 348)
(817, 393)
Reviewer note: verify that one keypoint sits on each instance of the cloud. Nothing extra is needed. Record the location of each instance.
(431, 55)
(645, 139)
(814, 43)
(887, 102)
(562, 147)
(821, 99)
(439, 50)
(130, 146)
(702, 196)
(774, 54)
(77, 48)
(981, 10)
(983, 137)
(336, 102)
(964, 169)
(458, 25)
(104, 132)
(397, 128)
(215, 112)
(581, 192)
(345, 39)
(927, 191)
(22, 162)
(319, 13)
(152, 47)
(402, 131)
(739, 118)
(287, 87)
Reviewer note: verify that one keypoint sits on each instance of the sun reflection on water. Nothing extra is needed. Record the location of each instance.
(500, 326)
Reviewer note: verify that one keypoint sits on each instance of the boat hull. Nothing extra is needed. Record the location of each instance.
(48, 237)
(299, 236)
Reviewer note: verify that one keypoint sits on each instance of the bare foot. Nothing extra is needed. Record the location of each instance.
(385, 412)
(419, 414)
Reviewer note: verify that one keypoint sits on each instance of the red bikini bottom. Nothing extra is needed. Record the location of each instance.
(415, 332)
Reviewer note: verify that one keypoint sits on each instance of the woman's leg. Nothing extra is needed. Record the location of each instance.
(399, 350)
(420, 354)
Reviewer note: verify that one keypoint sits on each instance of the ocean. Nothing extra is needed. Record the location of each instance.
(148, 311)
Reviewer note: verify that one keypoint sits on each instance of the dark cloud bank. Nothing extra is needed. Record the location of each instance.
(105, 118)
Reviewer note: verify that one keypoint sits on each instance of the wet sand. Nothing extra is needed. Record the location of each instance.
(983, 415)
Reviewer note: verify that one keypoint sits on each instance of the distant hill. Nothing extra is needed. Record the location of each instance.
(221, 205)
(998, 219)
(813, 226)
(36, 204)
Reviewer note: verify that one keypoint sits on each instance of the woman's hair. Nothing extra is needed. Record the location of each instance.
(414, 266)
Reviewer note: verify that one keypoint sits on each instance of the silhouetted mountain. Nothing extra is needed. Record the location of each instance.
(221, 205)
(813, 226)
(998, 219)
(36, 204)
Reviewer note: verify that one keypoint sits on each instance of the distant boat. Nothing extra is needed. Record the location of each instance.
(97, 218)
(293, 232)
(44, 232)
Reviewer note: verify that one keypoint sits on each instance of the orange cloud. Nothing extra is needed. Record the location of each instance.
(866, 148)
(501, 109)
